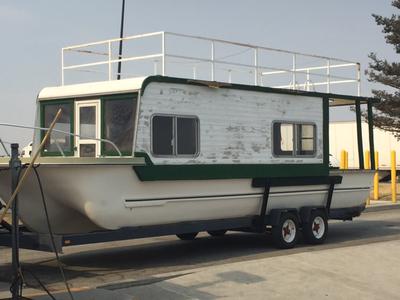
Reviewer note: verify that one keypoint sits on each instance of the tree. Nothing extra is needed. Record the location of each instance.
(387, 112)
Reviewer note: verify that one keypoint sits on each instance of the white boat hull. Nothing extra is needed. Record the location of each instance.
(110, 197)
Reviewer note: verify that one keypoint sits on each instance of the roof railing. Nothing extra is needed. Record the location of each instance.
(287, 72)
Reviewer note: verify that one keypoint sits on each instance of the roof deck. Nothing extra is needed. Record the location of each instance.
(194, 57)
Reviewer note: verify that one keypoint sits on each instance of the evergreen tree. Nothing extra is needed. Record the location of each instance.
(387, 112)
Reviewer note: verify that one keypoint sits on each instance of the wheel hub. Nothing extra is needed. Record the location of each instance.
(318, 227)
(289, 231)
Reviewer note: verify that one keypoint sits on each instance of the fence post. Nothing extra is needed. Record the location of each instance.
(376, 177)
(393, 176)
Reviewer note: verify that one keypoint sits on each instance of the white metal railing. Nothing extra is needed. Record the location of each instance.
(56, 143)
(300, 75)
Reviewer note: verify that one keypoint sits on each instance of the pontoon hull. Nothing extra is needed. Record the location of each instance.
(86, 198)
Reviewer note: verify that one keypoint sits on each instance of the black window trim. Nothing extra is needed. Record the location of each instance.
(295, 139)
(174, 129)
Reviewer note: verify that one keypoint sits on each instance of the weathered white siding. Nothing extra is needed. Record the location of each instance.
(235, 125)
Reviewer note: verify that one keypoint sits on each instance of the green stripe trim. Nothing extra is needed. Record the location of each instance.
(152, 172)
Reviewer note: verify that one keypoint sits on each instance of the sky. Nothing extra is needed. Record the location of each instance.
(33, 33)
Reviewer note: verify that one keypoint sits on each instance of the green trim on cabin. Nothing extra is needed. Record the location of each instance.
(127, 96)
(223, 85)
(72, 125)
(152, 172)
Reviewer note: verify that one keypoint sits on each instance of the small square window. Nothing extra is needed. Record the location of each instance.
(175, 136)
(294, 139)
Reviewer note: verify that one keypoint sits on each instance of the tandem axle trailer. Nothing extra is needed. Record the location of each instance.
(257, 224)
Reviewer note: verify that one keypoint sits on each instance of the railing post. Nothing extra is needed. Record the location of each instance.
(194, 72)
(294, 71)
(255, 66)
(358, 79)
(376, 177)
(109, 61)
(62, 66)
(163, 54)
(212, 61)
(328, 76)
(393, 176)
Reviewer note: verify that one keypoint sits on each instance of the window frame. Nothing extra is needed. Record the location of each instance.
(296, 139)
(43, 104)
(103, 100)
(174, 135)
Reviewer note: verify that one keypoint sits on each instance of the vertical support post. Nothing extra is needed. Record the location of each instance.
(255, 66)
(62, 66)
(163, 54)
(155, 67)
(359, 80)
(393, 176)
(371, 134)
(109, 61)
(194, 72)
(359, 136)
(308, 81)
(376, 177)
(325, 134)
(294, 71)
(212, 61)
(328, 76)
(15, 166)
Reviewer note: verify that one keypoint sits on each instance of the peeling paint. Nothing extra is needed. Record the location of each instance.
(235, 125)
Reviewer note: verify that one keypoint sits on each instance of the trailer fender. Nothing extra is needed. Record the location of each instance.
(275, 215)
(305, 213)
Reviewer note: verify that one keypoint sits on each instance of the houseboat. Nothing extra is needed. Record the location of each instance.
(163, 151)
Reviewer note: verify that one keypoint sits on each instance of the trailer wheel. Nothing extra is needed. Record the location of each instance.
(217, 233)
(286, 232)
(187, 236)
(315, 230)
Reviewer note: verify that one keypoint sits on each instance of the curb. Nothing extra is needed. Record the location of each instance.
(373, 208)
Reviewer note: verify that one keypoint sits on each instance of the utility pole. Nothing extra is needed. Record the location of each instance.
(121, 35)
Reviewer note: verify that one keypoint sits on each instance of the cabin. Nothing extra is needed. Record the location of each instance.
(206, 129)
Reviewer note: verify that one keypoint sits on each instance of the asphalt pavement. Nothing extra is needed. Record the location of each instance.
(359, 259)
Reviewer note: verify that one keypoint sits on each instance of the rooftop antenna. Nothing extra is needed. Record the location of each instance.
(121, 35)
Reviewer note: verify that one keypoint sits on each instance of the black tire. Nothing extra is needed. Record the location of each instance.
(187, 236)
(217, 233)
(315, 230)
(288, 225)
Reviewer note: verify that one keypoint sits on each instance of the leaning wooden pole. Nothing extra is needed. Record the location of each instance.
(31, 164)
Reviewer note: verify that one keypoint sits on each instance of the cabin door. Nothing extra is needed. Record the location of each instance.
(87, 127)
